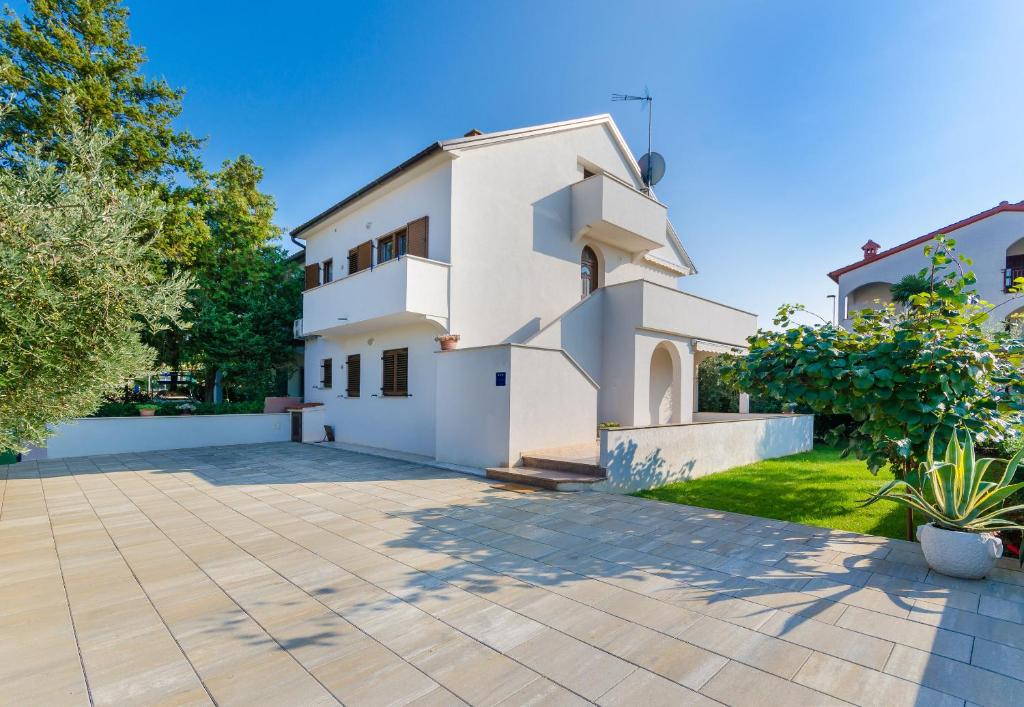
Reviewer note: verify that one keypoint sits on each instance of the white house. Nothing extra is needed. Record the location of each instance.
(993, 239)
(540, 248)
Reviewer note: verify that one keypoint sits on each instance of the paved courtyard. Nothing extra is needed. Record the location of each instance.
(291, 574)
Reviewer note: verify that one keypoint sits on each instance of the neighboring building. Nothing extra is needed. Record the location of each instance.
(540, 249)
(993, 239)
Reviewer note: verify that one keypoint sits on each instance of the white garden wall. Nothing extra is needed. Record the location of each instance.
(646, 457)
(118, 435)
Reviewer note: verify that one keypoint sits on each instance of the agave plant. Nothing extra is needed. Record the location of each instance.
(954, 493)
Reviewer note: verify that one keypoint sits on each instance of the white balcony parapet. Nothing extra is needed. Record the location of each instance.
(402, 291)
(611, 211)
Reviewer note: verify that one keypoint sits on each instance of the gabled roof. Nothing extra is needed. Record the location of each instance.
(474, 139)
(1000, 208)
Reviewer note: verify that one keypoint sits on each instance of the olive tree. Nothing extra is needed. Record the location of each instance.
(899, 372)
(79, 287)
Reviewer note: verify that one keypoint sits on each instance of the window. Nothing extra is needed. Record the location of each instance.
(327, 270)
(588, 271)
(326, 366)
(352, 363)
(396, 372)
(392, 246)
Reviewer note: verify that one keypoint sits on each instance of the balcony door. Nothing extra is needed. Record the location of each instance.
(588, 271)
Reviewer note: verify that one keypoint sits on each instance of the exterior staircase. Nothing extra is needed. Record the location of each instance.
(565, 469)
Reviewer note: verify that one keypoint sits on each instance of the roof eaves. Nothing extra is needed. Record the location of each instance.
(387, 176)
(835, 274)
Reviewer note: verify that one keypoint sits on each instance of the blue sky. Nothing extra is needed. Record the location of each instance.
(793, 131)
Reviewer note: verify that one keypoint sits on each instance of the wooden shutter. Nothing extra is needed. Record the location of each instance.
(395, 372)
(364, 251)
(352, 363)
(326, 372)
(312, 276)
(417, 233)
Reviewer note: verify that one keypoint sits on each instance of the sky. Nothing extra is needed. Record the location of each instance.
(793, 131)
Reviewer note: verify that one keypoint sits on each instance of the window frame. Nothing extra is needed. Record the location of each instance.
(327, 271)
(396, 389)
(397, 240)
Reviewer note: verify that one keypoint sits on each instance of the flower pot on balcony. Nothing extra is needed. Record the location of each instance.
(448, 341)
(958, 554)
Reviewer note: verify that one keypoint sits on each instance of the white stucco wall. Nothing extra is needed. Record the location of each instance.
(546, 402)
(119, 435)
(400, 423)
(986, 242)
(642, 458)
(515, 265)
(425, 190)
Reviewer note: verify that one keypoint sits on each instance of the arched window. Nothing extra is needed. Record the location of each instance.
(588, 271)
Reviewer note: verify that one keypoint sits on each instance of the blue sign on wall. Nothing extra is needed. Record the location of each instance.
(499, 378)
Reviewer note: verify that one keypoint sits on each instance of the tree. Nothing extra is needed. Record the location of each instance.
(910, 285)
(78, 289)
(248, 293)
(899, 374)
(65, 51)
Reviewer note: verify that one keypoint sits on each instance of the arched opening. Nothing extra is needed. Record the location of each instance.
(664, 387)
(1014, 265)
(873, 295)
(589, 271)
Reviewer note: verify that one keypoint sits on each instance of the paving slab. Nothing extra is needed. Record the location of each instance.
(298, 574)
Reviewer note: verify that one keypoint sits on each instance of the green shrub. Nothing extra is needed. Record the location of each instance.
(116, 409)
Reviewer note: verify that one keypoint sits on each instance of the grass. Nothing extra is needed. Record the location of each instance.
(815, 488)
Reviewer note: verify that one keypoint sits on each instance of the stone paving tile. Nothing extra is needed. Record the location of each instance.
(862, 686)
(286, 573)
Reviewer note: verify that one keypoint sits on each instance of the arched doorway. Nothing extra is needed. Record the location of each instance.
(664, 387)
(589, 270)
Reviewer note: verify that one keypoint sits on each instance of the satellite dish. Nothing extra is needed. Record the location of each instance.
(652, 168)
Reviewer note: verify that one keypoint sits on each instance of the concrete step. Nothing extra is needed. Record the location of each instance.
(553, 479)
(586, 466)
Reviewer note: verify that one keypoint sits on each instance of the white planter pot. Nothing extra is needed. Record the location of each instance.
(958, 554)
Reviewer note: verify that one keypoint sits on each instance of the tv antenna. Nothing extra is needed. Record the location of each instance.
(652, 165)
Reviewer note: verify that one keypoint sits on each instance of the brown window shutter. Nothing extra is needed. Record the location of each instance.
(395, 372)
(364, 251)
(312, 276)
(353, 366)
(326, 373)
(353, 261)
(417, 234)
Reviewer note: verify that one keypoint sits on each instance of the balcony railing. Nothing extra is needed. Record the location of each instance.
(1009, 276)
(400, 291)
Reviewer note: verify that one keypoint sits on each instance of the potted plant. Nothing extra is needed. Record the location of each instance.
(966, 509)
(447, 341)
(147, 409)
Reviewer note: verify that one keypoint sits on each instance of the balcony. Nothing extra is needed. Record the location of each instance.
(1010, 275)
(608, 210)
(402, 291)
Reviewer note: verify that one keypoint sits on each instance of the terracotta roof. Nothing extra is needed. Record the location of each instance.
(1003, 206)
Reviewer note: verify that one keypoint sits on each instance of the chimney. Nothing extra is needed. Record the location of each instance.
(473, 133)
(870, 249)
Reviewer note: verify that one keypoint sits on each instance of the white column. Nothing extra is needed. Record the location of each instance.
(744, 403)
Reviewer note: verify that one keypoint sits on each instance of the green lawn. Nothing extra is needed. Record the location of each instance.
(816, 488)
